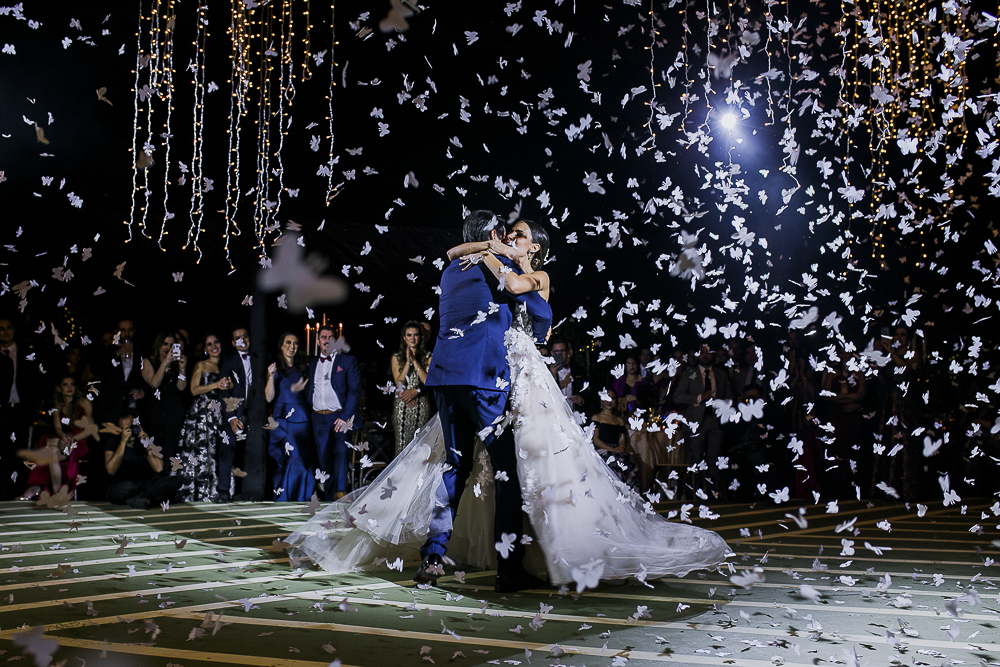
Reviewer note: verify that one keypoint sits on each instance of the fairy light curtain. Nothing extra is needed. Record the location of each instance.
(270, 53)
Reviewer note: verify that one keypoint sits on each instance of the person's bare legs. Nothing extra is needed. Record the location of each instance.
(55, 476)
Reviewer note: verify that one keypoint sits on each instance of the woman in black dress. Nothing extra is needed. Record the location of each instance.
(611, 440)
(165, 373)
(202, 433)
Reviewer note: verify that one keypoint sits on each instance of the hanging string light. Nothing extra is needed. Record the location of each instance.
(198, 184)
(329, 103)
(167, 95)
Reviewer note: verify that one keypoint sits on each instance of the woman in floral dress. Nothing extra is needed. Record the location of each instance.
(202, 432)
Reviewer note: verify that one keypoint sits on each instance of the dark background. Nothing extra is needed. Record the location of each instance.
(91, 142)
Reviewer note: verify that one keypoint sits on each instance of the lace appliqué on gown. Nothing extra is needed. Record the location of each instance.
(590, 525)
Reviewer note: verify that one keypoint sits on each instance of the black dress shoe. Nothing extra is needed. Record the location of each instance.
(430, 570)
(222, 498)
(512, 582)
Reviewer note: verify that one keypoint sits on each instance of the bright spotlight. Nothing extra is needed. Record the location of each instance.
(729, 121)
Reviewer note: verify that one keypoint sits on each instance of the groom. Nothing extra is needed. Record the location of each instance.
(470, 378)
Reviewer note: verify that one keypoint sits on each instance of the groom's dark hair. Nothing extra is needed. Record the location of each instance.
(479, 224)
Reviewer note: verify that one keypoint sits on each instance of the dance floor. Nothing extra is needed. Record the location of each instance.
(204, 584)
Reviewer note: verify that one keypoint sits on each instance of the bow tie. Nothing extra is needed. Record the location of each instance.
(322, 358)
(245, 355)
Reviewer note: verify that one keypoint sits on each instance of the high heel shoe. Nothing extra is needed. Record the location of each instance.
(31, 494)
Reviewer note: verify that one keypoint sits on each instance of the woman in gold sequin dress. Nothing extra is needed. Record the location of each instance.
(413, 405)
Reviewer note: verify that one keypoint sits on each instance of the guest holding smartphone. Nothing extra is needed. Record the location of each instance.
(165, 375)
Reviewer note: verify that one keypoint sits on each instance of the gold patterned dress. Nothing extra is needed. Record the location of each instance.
(406, 420)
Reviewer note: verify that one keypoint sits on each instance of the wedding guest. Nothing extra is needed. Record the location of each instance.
(72, 421)
(202, 434)
(121, 387)
(627, 386)
(412, 407)
(697, 386)
(237, 368)
(843, 391)
(334, 397)
(164, 372)
(73, 364)
(645, 357)
(18, 406)
(428, 334)
(289, 442)
(611, 440)
(135, 470)
(900, 414)
(570, 377)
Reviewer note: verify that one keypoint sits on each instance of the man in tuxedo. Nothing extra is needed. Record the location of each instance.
(237, 367)
(698, 385)
(470, 376)
(121, 386)
(334, 396)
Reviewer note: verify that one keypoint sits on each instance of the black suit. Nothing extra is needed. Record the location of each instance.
(115, 388)
(231, 453)
(16, 418)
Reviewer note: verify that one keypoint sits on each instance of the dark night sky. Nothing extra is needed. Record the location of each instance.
(90, 143)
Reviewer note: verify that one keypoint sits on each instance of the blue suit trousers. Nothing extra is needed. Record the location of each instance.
(331, 450)
(465, 411)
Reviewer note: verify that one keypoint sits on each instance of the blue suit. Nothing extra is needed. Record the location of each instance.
(470, 376)
(331, 446)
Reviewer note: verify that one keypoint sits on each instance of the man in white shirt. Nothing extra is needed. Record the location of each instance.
(334, 395)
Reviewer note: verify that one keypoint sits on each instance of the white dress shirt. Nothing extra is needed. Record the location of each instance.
(245, 358)
(127, 365)
(324, 397)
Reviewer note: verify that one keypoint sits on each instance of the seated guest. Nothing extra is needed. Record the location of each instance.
(412, 407)
(133, 467)
(289, 444)
(611, 440)
(59, 464)
(627, 386)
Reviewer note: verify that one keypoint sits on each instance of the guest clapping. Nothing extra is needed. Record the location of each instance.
(165, 375)
(412, 407)
(289, 441)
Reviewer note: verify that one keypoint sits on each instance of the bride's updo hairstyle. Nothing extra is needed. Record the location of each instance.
(540, 236)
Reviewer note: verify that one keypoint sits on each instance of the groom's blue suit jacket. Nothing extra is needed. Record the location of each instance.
(474, 354)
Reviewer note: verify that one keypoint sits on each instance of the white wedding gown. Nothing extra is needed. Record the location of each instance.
(588, 525)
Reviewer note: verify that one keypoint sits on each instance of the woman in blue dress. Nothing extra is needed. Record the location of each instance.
(289, 442)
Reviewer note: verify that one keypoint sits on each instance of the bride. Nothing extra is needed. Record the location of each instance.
(587, 525)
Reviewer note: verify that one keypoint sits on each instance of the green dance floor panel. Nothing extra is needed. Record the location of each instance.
(203, 584)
